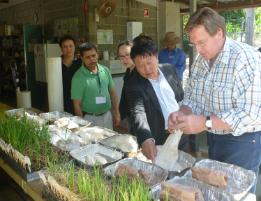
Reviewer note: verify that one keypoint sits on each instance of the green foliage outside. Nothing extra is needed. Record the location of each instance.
(258, 20)
(235, 20)
(185, 39)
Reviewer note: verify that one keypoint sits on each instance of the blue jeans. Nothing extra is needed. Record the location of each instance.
(244, 150)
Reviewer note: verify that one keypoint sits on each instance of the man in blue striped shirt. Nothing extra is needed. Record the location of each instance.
(223, 94)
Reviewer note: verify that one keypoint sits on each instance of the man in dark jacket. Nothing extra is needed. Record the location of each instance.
(152, 93)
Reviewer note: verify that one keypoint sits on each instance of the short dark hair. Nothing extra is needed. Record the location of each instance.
(143, 45)
(127, 43)
(86, 47)
(141, 37)
(65, 38)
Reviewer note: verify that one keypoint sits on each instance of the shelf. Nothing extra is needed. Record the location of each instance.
(11, 51)
(10, 58)
(11, 36)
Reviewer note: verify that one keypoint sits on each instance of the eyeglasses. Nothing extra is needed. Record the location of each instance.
(200, 44)
(121, 57)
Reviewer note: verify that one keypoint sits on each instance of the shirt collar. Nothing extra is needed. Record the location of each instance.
(87, 72)
(173, 50)
(224, 55)
(160, 78)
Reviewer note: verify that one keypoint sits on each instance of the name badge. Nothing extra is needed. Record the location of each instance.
(100, 100)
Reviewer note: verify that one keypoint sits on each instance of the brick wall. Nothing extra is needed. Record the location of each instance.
(127, 11)
(50, 10)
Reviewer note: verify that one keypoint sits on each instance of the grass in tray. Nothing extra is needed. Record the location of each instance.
(29, 139)
(127, 190)
(93, 186)
(34, 141)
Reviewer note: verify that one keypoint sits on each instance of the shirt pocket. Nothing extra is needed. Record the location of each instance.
(222, 96)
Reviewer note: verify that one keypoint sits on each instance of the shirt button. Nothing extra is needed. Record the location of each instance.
(254, 141)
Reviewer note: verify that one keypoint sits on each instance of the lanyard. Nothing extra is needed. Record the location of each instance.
(98, 77)
(99, 82)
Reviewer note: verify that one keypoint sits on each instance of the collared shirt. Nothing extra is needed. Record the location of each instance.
(230, 89)
(165, 95)
(87, 86)
(175, 57)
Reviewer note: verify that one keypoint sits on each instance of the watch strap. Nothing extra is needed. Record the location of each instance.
(208, 119)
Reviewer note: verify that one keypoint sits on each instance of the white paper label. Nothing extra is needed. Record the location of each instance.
(100, 99)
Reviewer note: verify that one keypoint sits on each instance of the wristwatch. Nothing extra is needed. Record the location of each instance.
(208, 123)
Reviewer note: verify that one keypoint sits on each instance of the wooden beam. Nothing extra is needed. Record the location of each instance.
(220, 6)
(182, 1)
(232, 5)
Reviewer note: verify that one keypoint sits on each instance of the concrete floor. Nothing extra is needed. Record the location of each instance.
(8, 194)
(9, 191)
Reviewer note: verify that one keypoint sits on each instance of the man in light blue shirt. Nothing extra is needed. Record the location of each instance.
(173, 55)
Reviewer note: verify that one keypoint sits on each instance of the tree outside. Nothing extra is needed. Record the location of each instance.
(257, 35)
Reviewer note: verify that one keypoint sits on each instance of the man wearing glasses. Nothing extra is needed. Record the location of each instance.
(223, 94)
(93, 93)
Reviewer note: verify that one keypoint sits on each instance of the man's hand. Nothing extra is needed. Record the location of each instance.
(191, 124)
(115, 108)
(149, 149)
(173, 120)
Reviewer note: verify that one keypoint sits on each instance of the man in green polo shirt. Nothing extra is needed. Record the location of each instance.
(93, 91)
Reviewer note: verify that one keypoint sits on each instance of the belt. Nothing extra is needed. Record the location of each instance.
(93, 114)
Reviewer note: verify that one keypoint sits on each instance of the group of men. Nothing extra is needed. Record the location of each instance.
(222, 96)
